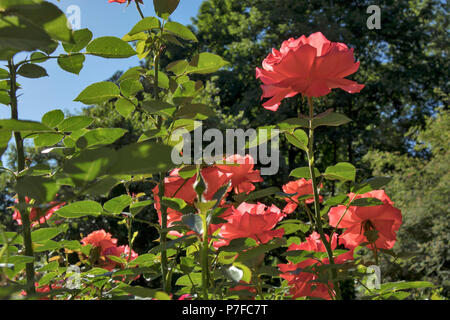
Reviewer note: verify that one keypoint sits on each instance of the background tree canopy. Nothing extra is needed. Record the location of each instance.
(400, 124)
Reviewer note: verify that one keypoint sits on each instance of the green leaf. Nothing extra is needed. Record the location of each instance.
(163, 79)
(188, 171)
(303, 172)
(336, 200)
(292, 123)
(240, 244)
(371, 184)
(330, 119)
(143, 260)
(134, 159)
(99, 92)
(41, 189)
(46, 278)
(100, 136)
(247, 273)
(30, 70)
(145, 24)
(262, 193)
(71, 63)
(48, 245)
(290, 228)
(142, 158)
(205, 63)
(124, 107)
(20, 259)
(327, 119)
(164, 8)
(81, 38)
(366, 202)
(5, 98)
(45, 234)
(180, 31)
(133, 73)
(177, 67)
(117, 204)
(45, 15)
(130, 87)
(256, 194)
(185, 281)
(110, 47)
(80, 209)
(52, 118)
(22, 125)
(89, 165)
(298, 138)
(173, 203)
(4, 74)
(137, 207)
(193, 221)
(52, 266)
(18, 239)
(47, 139)
(402, 285)
(192, 110)
(75, 123)
(73, 245)
(159, 107)
(19, 34)
(5, 137)
(117, 259)
(252, 254)
(102, 186)
(342, 171)
(38, 57)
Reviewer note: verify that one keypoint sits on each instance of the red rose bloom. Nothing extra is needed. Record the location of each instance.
(177, 187)
(311, 66)
(37, 216)
(100, 239)
(245, 291)
(43, 289)
(242, 175)
(214, 179)
(385, 219)
(302, 283)
(302, 187)
(254, 221)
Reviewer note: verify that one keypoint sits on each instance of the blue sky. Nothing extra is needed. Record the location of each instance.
(104, 19)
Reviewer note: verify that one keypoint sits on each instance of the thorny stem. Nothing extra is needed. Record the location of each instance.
(318, 217)
(204, 257)
(26, 227)
(163, 232)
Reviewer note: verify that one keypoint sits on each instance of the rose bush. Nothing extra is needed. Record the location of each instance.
(221, 235)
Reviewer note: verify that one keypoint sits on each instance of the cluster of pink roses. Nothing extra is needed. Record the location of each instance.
(384, 219)
(258, 221)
